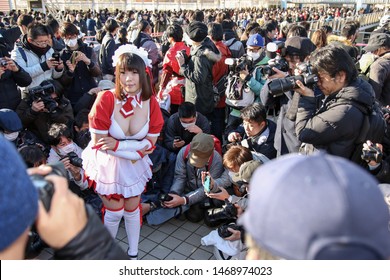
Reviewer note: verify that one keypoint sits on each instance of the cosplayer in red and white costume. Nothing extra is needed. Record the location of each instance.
(124, 124)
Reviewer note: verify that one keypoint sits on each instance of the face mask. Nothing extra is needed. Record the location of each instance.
(11, 136)
(67, 149)
(187, 125)
(71, 42)
(253, 55)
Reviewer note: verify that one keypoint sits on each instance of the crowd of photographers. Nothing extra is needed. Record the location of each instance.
(237, 89)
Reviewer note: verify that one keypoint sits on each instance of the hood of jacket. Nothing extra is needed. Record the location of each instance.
(208, 48)
(24, 43)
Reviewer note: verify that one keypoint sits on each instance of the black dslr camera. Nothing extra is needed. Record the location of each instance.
(224, 232)
(278, 62)
(74, 159)
(228, 212)
(238, 64)
(164, 197)
(46, 188)
(278, 86)
(43, 93)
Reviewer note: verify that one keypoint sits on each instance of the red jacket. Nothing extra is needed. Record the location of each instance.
(220, 68)
(171, 81)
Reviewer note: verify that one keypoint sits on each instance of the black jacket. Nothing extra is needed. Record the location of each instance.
(198, 74)
(174, 128)
(94, 242)
(10, 95)
(107, 50)
(82, 79)
(337, 124)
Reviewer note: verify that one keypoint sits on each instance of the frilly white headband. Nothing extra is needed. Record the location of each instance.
(141, 52)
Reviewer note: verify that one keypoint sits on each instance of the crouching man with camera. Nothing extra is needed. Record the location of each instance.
(67, 225)
(65, 150)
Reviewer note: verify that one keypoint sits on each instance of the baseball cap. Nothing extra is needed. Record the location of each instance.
(18, 198)
(255, 40)
(201, 149)
(106, 84)
(245, 173)
(317, 207)
(299, 45)
(376, 41)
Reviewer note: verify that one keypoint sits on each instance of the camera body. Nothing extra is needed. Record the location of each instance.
(74, 159)
(372, 154)
(43, 93)
(278, 86)
(224, 232)
(46, 188)
(228, 212)
(3, 62)
(238, 64)
(278, 62)
(164, 197)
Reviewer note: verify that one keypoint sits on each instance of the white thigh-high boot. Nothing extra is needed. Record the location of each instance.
(133, 228)
(112, 218)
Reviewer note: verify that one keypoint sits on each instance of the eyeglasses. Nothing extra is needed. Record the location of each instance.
(41, 43)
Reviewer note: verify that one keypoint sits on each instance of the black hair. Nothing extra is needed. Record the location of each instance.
(333, 59)
(37, 29)
(187, 110)
(68, 28)
(53, 24)
(296, 30)
(25, 20)
(255, 112)
(57, 130)
(32, 155)
(349, 30)
(81, 118)
(111, 24)
(175, 31)
(215, 31)
(327, 28)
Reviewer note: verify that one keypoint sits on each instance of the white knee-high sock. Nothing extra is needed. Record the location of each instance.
(133, 228)
(112, 218)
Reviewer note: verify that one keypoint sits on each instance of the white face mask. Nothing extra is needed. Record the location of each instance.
(11, 136)
(187, 125)
(253, 55)
(67, 149)
(71, 42)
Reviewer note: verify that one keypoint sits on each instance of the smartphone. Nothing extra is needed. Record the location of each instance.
(73, 58)
(206, 184)
(177, 138)
(56, 56)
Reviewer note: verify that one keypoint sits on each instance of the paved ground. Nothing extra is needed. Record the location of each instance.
(177, 239)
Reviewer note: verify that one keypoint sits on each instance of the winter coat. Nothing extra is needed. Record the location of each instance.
(380, 78)
(10, 95)
(35, 66)
(174, 128)
(171, 81)
(220, 68)
(199, 78)
(40, 122)
(188, 181)
(337, 124)
(82, 79)
(106, 53)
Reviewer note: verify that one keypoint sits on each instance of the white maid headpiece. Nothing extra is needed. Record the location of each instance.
(141, 52)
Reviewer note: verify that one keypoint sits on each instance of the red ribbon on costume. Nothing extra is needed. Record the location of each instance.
(127, 108)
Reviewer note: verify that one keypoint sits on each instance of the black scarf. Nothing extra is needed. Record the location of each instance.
(38, 50)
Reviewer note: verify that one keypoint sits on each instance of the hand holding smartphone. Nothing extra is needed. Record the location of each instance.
(206, 184)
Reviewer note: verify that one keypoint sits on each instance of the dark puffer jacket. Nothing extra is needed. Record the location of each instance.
(199, 78)
(337, 124)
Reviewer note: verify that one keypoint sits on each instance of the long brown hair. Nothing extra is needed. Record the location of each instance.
(131, 62)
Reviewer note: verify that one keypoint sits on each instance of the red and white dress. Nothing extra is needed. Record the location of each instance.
(113, 174)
